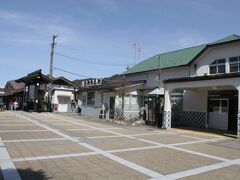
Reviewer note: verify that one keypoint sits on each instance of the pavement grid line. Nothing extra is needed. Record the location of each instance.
(152, 142)
(4, 125)
(115, 158)
(28, 130)
(134, 135)
(185, 150)
(94, 128)
(119, 134)
(177, 175)
(8, 169)
(86, 129)
(33, 140)
(170, 146)
(177, 148)
(200, 170)
(110, 151)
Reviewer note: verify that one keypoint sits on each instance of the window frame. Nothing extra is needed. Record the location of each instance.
(90, 98)
(216, 64)
(237, 62)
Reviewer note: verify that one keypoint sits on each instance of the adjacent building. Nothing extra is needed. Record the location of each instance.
(63, 99)
(103, 97)
(1, 95)
(13, 91)
(43, 93)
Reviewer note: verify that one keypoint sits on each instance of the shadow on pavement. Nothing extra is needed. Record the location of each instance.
(28, 174)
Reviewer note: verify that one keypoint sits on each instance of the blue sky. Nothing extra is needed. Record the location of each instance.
(104, 31)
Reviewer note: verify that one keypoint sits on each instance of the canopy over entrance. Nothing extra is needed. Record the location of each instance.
(201, 92)
(157, 91)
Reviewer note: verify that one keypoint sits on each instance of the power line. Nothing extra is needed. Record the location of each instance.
(79, 75)
(89, 62)
(72, 73)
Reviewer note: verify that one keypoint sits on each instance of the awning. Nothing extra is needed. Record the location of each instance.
(157, 91)
(140, 85)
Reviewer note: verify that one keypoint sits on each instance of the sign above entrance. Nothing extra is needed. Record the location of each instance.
(91, 82)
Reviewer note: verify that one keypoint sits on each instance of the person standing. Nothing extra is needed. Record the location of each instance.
(15, 105)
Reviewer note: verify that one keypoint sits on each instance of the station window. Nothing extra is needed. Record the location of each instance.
(177, 100)
(90, 98)
(218, 66)
(234, 64)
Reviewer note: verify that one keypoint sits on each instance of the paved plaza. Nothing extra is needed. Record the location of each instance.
(57, 146)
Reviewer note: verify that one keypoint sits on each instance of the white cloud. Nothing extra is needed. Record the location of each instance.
(34, 29)
(5, 15)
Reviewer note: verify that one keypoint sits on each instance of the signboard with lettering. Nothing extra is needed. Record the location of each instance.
(91, 82)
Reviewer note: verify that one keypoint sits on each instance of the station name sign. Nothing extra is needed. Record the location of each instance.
(91, 82)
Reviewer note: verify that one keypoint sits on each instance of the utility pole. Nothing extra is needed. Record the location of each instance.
(52, 52)
(51, 72)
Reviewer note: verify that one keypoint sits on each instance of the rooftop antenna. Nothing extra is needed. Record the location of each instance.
(135, 53)
(139, 50)
(159, 71)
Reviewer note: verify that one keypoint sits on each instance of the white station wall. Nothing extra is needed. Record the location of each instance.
(212, 54)
(61, 93)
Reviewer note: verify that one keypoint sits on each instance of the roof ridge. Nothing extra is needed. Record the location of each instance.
(180, 49)
(229, 38)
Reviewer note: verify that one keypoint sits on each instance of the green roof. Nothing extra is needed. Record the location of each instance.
(226, 39)
(175, 58)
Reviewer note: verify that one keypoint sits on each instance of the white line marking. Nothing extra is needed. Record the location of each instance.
(200, 170)
(87, 129)
(16, 131)
(185, 150)
(122, 161)
(63, 124)
(155, 143)
(4, 125)
(57, 156)
(133, 135)
(113, 151)
(89, 126)
(82, 154)
(194, 142)
(12, 121)
(100, 137)
(48, 128)
(33, 140)
(192, 137)
(134, 149)
(146, 171)
(9, 171)
(95, 128)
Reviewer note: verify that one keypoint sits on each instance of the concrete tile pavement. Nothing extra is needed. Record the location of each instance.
(126, 153)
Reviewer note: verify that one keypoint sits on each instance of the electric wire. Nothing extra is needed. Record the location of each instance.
(89, 62)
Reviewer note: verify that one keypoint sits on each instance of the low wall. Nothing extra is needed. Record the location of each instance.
(126, 114)
(189, 119)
